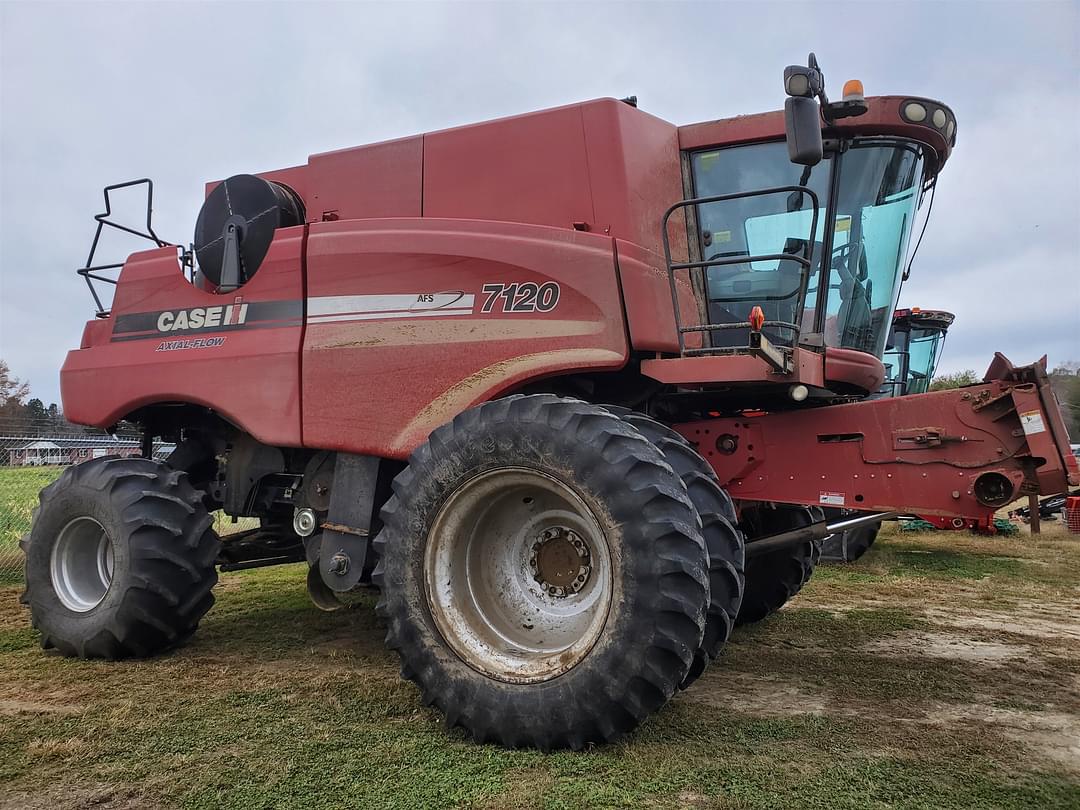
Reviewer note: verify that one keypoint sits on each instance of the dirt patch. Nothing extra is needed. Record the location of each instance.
(1054, 736)
(948, 645)
(98, 797)
(1042, 621)
(760, 697)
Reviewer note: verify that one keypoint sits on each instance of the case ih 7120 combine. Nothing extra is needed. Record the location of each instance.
(568, 387)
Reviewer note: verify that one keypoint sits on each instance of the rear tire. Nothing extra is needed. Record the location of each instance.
(773, 579)
(119, 560)
(498, 661)
(858, 542)
(723, 540)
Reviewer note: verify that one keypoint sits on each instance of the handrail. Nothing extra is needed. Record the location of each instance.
(89, 271)
(803, 262)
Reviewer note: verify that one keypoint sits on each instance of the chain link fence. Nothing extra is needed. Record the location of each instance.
(30, 461)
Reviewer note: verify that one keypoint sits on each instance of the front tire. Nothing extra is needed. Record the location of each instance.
(119, 560)
(723, 540)
(543, 574)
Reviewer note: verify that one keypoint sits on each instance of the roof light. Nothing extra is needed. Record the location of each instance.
(914, 112)
(950, 130)
(940, 119)
(853, 90)
(799, 392)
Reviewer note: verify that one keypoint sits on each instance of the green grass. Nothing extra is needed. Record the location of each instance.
(19, 488)
(829, 704)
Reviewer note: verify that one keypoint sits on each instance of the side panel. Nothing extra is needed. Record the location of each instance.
(381, 180)
(958, 453)
(529, 168)
(401, 335)
(245, 365)
(636, 173)
(650, 315)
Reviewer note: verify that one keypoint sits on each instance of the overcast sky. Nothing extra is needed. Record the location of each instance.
(96, 93)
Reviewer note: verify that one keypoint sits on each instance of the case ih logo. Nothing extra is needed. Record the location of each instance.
(194, 320)
(200, 317)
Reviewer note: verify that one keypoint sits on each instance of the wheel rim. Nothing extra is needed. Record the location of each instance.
(82, 564)
(518, 575)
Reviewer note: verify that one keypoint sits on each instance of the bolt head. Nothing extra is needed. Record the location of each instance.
(339, 564)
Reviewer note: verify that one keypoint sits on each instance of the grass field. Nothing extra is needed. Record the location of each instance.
(941, 671)
(19, 487)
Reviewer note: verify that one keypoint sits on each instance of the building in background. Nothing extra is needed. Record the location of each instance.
(40, 451)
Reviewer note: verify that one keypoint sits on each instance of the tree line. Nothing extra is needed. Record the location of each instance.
(20, 413)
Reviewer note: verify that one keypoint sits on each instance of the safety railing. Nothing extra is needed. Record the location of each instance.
(93, 272)
(673, 267)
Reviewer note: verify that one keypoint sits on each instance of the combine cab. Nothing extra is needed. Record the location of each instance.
(914, 349)
(570, 388)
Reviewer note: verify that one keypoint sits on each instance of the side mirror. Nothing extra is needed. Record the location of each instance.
(802, 121)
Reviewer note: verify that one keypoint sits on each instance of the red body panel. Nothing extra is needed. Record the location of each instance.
(646, 289)
(251, 378)
(381, 180)
(735, 368)
(383, 366)
(916, 454)
(847, 367)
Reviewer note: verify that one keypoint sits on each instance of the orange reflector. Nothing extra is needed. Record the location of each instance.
(757, 319)
(853, 89)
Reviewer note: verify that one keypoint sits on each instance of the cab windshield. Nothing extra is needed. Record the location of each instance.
(923, 348)
(868, 195)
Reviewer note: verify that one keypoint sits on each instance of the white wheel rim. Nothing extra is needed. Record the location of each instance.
(518, 575)
(81, 564)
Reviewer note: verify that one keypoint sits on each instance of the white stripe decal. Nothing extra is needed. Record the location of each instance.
(371, 316)
(408, 303)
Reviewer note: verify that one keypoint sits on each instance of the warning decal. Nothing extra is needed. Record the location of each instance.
(831, 499)
(1032, 422)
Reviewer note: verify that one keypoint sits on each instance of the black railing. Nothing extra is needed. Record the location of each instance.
(91, 272)
(804, 263)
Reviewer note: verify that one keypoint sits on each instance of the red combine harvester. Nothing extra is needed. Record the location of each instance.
(568, 387)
